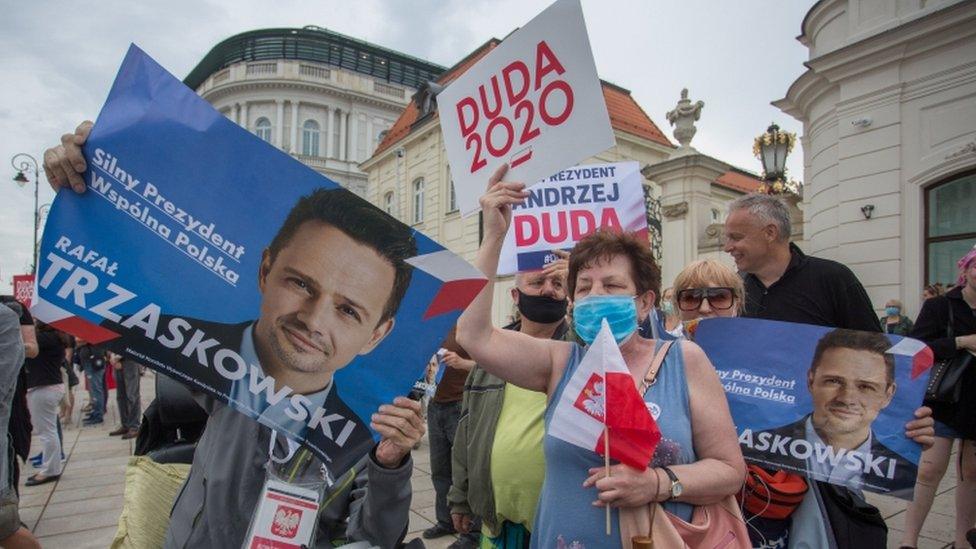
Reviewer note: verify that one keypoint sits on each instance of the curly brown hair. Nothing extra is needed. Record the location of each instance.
(603, 245)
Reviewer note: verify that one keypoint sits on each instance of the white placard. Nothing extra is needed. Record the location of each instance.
(285, 519)
(535, 102)
(567, 206)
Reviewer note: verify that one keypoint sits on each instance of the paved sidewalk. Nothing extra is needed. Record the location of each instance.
(81, 509)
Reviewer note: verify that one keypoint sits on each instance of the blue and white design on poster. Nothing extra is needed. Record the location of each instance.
(214, 258)
(827, 403)
(567, 206)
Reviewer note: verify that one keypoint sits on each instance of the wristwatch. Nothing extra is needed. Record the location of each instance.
(676, 487)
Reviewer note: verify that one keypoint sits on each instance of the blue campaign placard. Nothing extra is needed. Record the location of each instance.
(215, 258)
(827, 403)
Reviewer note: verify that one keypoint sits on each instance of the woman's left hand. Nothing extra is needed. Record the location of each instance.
(922, 428)
(625, 487)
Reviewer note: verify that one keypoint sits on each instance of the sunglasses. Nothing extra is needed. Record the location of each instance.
(718, 298)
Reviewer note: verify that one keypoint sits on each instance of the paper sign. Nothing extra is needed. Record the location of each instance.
(535, 102)
(24, 289)
(285, 519)
(570, 205)
(826, 403)
(214, 258)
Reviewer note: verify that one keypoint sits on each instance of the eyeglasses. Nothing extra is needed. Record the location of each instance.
(718, 298)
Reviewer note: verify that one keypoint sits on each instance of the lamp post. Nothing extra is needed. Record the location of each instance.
(772, 148)
(23, 162)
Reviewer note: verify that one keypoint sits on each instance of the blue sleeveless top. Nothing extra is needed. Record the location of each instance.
(566, 518)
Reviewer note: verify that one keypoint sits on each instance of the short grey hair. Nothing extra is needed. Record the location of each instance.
(768, 209)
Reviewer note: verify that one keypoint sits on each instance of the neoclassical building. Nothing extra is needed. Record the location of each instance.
(888, 106)
(323, 97)
(409, 177)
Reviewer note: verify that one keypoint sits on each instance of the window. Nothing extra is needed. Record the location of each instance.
(388, 203)
(262, 128)
(451, 197)
(950, 226)
(418, 200)
(310, 138)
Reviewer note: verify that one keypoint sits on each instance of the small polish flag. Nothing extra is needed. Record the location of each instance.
(922, 357)
(602, 397)
(60, 319)
(461, 281)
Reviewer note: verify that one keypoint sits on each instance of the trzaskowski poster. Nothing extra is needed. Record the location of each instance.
(830, 404)
(214, 258)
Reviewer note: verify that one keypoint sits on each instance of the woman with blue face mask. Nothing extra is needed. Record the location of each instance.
(612, 277)
(893, 321)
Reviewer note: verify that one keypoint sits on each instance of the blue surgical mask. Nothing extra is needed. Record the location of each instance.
(619, 310)
(892, 311)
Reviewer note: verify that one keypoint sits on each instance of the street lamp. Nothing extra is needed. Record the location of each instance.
(23, 162)
(772, 148)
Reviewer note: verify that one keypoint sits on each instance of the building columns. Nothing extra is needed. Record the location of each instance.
(279, 137)
(343, 115)
(328, 132)
(293, 145)
(243, 121)
(353, 137)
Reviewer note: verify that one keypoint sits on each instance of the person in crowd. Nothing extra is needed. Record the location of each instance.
(127, 396)
(707, 288)
(932, 327)
(13, 534)
(672, 323)
(782, 283)
(893, 321)
(92, 360)
(299, 313)
(498, 462)
(443, 414)
(45, 389)
(611, 276)
(932, 290)
(19, 428)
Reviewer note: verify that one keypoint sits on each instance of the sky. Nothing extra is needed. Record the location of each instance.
(59, 59)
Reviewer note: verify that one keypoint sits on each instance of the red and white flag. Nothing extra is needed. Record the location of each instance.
(461, 281)
(601, 397)
(922, 356)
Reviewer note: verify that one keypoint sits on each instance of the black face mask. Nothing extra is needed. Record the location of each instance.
(540, 308)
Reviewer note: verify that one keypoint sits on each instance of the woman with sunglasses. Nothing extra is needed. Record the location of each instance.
(614, 277)
(706, 289)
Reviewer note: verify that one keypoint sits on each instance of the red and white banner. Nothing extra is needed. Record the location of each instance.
(535, 102)
(570, 205)
(24, 289)
(602, 397)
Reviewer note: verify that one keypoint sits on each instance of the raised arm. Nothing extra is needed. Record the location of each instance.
(517, 358)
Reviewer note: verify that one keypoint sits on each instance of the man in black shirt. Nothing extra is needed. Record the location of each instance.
(782, 283)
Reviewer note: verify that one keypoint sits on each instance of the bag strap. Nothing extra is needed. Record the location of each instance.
(651, 376)
(949, 330)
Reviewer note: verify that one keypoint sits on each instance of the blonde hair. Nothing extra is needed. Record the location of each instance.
(709, 273)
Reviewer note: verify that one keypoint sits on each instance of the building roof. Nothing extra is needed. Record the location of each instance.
(739, 180)
(318, 45)
(625, 114)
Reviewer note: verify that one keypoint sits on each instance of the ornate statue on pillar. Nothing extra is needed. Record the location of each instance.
(683, 119)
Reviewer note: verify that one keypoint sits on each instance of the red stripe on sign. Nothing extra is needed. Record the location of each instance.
(525, 156)
(454, 296)
(265, 543)
(292, 501)
(89, 331)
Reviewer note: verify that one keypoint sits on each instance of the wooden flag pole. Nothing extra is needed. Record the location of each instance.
(606, 463)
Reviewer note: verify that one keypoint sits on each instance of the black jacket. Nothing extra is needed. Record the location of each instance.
(933, 321)
(812, 291)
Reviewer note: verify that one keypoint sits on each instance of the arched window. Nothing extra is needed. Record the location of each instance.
(262, 128)
(310, 138)
(388, 203)
(950, 226)
(418, 200)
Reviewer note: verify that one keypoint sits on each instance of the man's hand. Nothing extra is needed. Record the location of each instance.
(625, 487)
(967, 342)
(64, 164)
(401, 427)
(462, 522)
(496, 203)
(454, 360)
(922, 428)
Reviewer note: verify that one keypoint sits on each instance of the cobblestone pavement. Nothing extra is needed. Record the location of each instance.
(82, 508)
